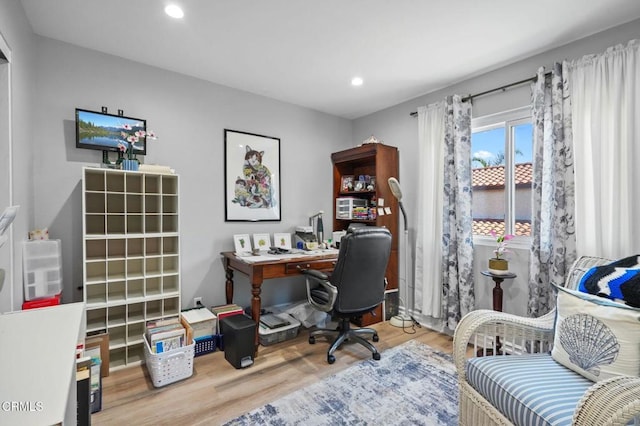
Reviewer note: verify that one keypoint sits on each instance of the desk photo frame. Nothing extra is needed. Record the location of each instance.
(252, 177)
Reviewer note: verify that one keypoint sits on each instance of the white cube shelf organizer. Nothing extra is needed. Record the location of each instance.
(131, 256)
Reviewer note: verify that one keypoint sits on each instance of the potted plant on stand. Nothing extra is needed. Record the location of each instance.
(499, 265)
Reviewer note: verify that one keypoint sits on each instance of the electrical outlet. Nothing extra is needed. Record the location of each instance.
(197, 301)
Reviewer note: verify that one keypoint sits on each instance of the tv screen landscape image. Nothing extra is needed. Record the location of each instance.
(106, 132)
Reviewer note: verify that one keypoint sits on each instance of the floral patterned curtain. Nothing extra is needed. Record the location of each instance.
(553, 248)
(457, 227)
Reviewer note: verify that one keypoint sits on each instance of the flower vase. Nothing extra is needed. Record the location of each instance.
(130, 165)
(498, 266)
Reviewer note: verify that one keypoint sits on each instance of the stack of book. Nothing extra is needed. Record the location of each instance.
(165, 335)
(223, 311)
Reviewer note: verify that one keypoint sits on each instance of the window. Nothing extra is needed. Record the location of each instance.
(502, 155)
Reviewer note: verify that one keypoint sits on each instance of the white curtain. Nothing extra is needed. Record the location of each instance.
(428, 268)
(605, 97)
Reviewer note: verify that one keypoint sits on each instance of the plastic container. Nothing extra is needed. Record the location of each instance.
(42, 269)
(206, 345)
(171, 366)
(345, 206)
(269, 336)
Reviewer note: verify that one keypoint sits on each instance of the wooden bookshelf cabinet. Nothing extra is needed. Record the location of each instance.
(379, 162)
(131, 256)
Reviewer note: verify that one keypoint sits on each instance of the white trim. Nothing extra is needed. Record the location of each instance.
(6, 51)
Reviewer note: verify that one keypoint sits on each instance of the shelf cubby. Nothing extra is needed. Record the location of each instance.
(117, 358)
(115, 182)
(116, 248)
(94, 224)
(116, 319)
(117, 291)
(134, 224)
(135, 247)
(170, 245)
(152, 266)
(116, 270)
(152, 246)
(96, 293)
(96, 249)
(170, 264)
(135, 352)
(152, 224)
(135, 312)
(170, 284)
(152, 184)
(134, 332)
(95, 202)
(169, 223)
(134, 183)
(115, 224)
(154, 309)
(94, 180)
(170, 204)
(152, 203)
(115, 203)
(153, 286)
(95, 271)
(135, 289)
(171, 306)
(134, 203)
(96, 319)
(170, 185)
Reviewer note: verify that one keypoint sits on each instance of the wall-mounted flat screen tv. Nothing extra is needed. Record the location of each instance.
(107, 132)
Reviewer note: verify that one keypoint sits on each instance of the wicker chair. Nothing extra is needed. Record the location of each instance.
(483, 332)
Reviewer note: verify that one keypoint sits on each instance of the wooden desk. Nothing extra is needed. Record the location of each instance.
(271, 268)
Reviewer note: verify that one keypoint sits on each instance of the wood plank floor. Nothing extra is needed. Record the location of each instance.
(217, 392)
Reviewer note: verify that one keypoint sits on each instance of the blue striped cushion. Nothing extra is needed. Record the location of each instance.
(528, 389)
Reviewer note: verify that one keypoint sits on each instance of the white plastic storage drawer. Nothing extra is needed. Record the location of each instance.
(42, 269)
(345, 206)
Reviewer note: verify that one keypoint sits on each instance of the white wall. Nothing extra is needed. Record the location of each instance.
(17, 150)
(189, 116)
(395, 127)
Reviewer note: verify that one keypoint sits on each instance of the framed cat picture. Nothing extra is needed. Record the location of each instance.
(252, 177)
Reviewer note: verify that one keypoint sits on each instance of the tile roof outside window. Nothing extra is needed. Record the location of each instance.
(493, 177)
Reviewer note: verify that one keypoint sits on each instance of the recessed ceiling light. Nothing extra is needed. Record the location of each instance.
(356, 81)
(174, 11)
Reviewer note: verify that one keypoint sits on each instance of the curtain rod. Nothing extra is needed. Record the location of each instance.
(497, 89)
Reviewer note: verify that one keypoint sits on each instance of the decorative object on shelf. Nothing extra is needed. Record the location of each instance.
(499, 265)
(346, 183)
(252, 177)
(130, 164)
(371, 139)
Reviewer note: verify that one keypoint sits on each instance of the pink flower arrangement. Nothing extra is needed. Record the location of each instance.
(131, 139)
(501, 250)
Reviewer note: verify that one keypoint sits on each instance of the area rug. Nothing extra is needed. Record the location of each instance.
(412, 384)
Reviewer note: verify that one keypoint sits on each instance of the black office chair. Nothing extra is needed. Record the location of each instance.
(355, 287)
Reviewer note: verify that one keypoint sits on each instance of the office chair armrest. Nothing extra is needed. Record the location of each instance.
(317, 275)
(323, 280)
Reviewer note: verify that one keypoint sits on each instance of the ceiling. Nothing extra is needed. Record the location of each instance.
(306, 52)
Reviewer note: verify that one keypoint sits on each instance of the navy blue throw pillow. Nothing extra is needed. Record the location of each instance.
(619, 280)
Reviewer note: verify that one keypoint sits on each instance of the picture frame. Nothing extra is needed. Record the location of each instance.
(282, 240)
(251, 177)
(346, 183)
(242, 243)
(262, 242)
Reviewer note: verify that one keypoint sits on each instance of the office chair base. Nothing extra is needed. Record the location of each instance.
(346, 333)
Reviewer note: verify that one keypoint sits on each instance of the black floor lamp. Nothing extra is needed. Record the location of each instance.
(404, 320)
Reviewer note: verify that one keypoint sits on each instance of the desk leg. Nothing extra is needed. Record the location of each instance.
(229, 285)
(256, 307)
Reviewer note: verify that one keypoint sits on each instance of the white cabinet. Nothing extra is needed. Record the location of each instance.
(131, 255)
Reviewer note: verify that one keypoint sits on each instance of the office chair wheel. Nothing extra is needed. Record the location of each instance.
(375, 338)
(331, 359)
(376, 356)
(312, 340)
